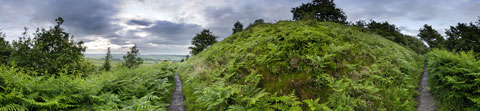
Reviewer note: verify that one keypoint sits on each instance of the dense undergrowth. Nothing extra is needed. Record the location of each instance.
(302, 65)
(145, 88)
(454, 80)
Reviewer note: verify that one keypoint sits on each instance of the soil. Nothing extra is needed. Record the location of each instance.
(177, 97)
(426, 100)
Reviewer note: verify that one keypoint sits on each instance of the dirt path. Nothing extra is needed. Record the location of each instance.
(426, 100)
(177, 96)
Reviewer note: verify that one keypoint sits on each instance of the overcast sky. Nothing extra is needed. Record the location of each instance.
(167, 26)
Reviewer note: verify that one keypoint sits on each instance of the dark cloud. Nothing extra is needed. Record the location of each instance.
(82, 17)
(176, 23)
(165, 32)
(139, 22)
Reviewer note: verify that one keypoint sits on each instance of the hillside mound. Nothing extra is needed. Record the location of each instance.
(302, 65)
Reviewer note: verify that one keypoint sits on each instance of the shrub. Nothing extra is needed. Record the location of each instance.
(146, 88)
(454, 79)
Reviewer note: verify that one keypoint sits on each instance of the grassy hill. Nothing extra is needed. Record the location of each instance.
(302, 65)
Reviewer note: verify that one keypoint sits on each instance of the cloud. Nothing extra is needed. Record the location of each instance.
(220, 18)
(165, 32)
(82, 17)
(412, 14)
(139, 22)
(159, 32)
(164, 26)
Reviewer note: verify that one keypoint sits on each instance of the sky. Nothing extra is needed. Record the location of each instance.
(167, 26)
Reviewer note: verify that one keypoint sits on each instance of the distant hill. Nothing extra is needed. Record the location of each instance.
(149, 57)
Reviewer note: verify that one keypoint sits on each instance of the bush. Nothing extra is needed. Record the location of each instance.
(145, 88)
(454, 80)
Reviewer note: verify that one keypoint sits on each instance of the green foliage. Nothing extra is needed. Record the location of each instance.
(131, 60)
(237, 27)
(5, 49)
(146, 88)
(454, 80)
(464, 37)
(302, 65)
(49, 51)
(321, 10)
(201, 41)
(391, 32)
(106, 64)
(432, 37)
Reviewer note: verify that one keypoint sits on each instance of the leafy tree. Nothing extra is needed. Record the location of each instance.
(391, 32)
(22, 50)
(256, 22)
(5, 49)
(431, 36)
(464, 37)
(50, 50)
(322, 10)
(106, 65)
(237, 27)
(132, 60)
(201, 41)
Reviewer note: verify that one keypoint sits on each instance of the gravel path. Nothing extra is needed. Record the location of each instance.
(427, 102)
(177, 96)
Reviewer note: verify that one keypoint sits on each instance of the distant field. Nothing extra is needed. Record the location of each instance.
(99, 59)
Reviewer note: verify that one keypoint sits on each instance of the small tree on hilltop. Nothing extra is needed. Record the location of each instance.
(431, 36)
(201, 41)
(132, 60)
(108, 57)
(322, 10)
(255, 23)
(237, 27)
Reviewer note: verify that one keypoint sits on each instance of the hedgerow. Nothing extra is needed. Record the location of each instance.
(146, 88)
(302, 65)
(454, 79)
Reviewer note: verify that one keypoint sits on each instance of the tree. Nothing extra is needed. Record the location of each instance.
(321, 10)
(255, 23)
(5, 49)
(431, 36)
(131, 60)
(22, 50)
(464, 37)
(51, 50)
(201, 41)
(237, 27)
(391, 32)
(108, 57)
